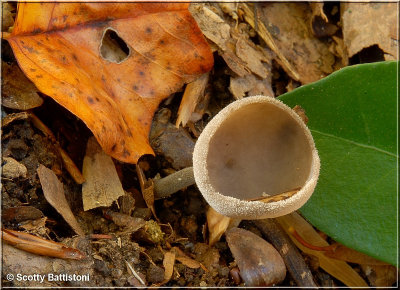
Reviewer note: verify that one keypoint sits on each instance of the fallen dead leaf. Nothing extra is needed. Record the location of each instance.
(39, 246)
(54, 193)
(102, 186)
(211, 24)
(217, 225)
(128, 223)
(309, 56)
(338, 269)
(184, 259)
(344, 253)
(360, 32)
(17, 91)
(168, 263)
(250, 84)
(69, 51)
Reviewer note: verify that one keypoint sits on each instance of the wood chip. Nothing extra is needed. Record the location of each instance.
(102, 186)
(53, 191)
(193, 92)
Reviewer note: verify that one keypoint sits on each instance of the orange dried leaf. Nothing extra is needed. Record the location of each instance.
(110, 64)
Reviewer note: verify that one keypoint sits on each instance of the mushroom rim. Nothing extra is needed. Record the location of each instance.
(237, 208)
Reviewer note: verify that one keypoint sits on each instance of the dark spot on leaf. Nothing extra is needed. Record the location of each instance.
(79, 91)
(97, 99)
(103, 78)
(64, 60)
(65, 18)
(113, 147)
(149, 30)
(30, 49)
(126, 153)
(74, 56)
(39, 76)
(119, 80)
(103, 129)
(90, 100)
(135, 87)
(161, 41)
(32, 69)
(129, 132)
(36, 30)
(141, 73)
(120, 127)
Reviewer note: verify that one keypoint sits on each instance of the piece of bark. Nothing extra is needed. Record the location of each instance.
(102, 186)
(293, 259)
(53, 191)
(20, 213)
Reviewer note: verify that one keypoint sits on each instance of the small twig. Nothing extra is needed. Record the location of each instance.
(276, 197)
(134, 273)
(69, 164)
(295, 264)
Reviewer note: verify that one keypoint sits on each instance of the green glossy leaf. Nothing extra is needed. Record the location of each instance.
(353, 119)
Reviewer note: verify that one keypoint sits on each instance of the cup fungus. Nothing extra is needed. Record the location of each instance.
(256, 147)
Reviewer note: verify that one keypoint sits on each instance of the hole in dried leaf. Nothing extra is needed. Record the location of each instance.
(113, 48)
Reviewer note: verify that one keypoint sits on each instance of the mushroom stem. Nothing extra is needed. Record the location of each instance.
(174, 182)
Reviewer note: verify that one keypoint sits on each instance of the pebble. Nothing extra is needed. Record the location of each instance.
(11, 168)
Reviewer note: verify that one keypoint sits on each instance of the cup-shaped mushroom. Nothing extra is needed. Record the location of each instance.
(256, 147)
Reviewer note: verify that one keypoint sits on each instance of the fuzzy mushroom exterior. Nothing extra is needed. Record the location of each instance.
(256, 146)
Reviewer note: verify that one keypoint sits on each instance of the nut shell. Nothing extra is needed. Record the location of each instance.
(259, 262)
